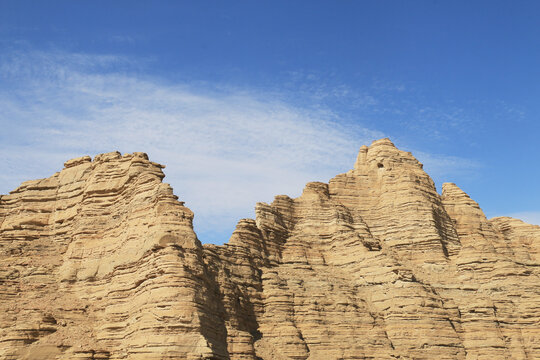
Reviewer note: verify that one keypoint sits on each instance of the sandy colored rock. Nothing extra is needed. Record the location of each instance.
(100, 261)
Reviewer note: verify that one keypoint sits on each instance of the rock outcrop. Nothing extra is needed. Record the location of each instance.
(100, 261)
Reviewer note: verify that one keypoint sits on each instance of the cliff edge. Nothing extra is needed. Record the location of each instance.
(100, 261)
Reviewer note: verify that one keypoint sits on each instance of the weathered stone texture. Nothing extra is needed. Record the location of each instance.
(100, 261)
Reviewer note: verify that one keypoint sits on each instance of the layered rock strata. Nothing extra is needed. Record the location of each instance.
(100, 261)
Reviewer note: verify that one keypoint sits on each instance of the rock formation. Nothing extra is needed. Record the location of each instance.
(100, 261)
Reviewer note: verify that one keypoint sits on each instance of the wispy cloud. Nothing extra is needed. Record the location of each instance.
(530, 217)
(126, 39)
(225, 148)
(444, 168)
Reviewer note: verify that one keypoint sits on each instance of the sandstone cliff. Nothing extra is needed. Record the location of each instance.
(100, 261)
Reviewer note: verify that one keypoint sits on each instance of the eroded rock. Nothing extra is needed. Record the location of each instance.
(100, 261)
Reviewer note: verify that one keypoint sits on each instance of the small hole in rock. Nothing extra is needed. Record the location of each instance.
(256, 334)
(380, 165)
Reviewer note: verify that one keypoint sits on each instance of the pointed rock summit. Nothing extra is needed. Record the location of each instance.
(383, 154)
(100, 261)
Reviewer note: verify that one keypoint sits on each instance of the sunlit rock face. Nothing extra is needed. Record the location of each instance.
(100, 261)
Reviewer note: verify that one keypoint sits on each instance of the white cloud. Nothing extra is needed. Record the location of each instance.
(530, 217)
(225, 149)
(445, 168)
(122, 39)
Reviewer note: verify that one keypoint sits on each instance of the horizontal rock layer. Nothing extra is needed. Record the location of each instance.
(100, 261)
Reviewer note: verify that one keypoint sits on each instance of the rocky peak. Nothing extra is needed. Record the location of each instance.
(100, 261)
(383, 155)
(77, 161)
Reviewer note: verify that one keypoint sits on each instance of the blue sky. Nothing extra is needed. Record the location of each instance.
(245, 100)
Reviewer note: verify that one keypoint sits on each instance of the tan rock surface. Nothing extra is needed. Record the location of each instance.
(100, 261)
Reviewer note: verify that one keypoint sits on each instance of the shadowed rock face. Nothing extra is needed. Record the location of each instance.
(100, 261)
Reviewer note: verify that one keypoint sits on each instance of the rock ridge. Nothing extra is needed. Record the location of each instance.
(100, 261)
